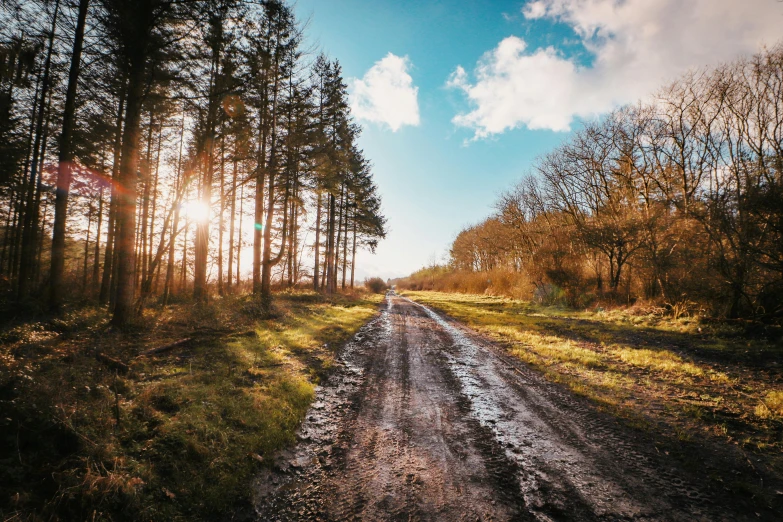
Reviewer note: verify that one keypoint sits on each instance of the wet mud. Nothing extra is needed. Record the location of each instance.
(425, 420)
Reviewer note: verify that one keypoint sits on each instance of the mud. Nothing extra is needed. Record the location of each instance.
(425, 420)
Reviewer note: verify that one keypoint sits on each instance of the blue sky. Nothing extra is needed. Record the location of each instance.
(529, 71)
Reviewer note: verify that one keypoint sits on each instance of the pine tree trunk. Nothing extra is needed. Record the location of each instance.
(154, 210)
(294, 239)
(317, 247)
(231, 224)
(167, 288)
(258, 216)
(9, 220)
(109, 252)
(64, 166)
(21, 192)
(145, 202)
(86, 249)
(137, 247)
(30, 224)
(267, 262)
(220, 218)
(239, 232)
(353, 252)
(345, 246)
(330, 244)
(290, 253)
(183, 274)
(41, 236)
(336, 256)
(96, 263)
(13, 240)
(126, 208)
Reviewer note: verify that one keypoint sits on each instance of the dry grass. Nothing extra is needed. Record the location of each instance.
(695, 378)
(194, 423)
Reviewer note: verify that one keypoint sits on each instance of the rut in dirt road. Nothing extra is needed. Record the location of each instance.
(425, 420)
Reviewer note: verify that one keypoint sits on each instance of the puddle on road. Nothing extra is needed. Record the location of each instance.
(319, 431)
(563, 469)
(541, 454)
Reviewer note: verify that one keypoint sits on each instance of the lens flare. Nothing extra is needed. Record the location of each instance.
(197, 211)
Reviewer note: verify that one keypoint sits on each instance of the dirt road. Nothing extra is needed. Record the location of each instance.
(425, 420)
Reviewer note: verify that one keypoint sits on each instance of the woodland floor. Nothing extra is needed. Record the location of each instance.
(91, 430)
(427, 419)
(453, 407)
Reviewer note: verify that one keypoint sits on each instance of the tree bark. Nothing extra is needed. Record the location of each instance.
(87, 248)
(353, 252)
(345, 242)
(96, 263)
(326, 281)
(126, 208)
(145, 201)
(64, 166)
(336, 254)
(258, 216)
(109, 252)
(30, 209)
(231, 224)
(201, 252)
(154, 210)
(317, 247)
(239, 232)
(167, 287)
(220, 218)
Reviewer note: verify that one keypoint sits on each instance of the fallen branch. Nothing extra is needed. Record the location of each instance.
(111, 362)
(165, 347)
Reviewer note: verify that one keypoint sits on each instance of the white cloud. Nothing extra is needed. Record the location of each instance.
(514, 88)
(637, 46)
(534, 10)
(386, 94)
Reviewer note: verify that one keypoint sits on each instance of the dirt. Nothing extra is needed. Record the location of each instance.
(425, 420)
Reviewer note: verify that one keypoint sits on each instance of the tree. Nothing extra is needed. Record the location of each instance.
(64, 166)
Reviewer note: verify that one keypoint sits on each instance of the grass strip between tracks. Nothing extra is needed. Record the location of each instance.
(177, 435)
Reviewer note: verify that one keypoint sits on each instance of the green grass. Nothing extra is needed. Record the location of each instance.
(195, 423)
(638, 363)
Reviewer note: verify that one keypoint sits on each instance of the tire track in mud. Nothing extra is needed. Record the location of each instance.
(424, 419)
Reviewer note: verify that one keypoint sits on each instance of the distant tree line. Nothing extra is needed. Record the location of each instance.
(139, 137)
(678, 200)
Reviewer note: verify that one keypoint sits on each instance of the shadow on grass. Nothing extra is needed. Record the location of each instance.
(723, 345)
(195, 422)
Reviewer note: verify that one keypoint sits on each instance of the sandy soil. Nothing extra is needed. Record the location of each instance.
(425, 420)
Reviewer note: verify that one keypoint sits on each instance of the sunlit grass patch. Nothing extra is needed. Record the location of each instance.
(774, 401)
(553, 348)
(638, 362)
(614, 381)
(657, 360)
(771, 405)
(195, 423)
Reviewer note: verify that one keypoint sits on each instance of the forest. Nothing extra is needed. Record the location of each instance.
(675, 201)
(186, 332)
(148, 147)
(182, 200)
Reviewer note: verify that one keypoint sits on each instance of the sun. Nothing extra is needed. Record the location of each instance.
(197, 211)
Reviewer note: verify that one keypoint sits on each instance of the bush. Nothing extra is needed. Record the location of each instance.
(375, 285)
(498, 282)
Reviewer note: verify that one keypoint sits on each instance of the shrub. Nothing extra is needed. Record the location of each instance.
(375, 285)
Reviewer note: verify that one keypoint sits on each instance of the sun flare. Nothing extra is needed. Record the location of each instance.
(197, 211)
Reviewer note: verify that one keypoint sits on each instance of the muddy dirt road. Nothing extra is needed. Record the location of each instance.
(425, 420)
